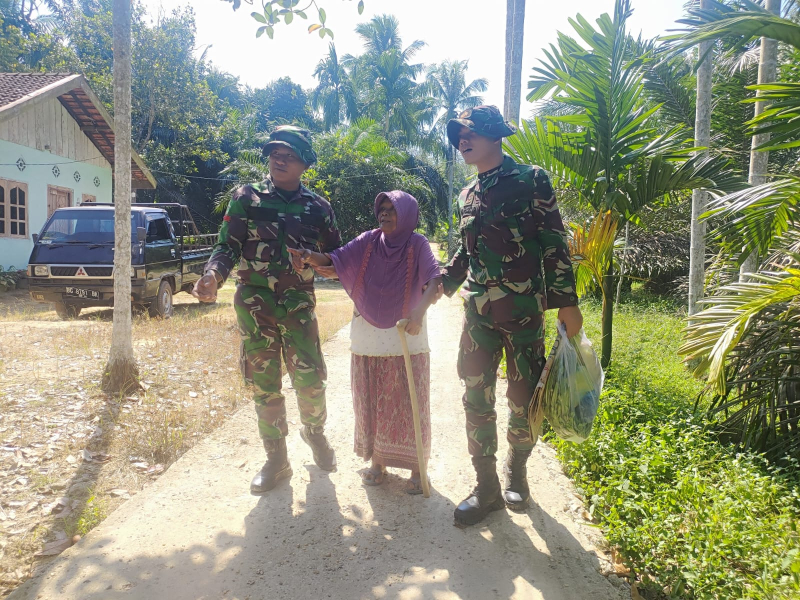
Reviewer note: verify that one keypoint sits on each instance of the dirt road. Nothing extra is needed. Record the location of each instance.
(197, 533)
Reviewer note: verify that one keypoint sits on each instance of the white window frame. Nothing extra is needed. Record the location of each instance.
(7, 185)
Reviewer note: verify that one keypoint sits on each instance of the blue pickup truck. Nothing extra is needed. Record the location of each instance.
(72, 262)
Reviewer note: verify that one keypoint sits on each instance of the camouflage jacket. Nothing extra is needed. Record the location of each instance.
(514, 252)
(258, 227)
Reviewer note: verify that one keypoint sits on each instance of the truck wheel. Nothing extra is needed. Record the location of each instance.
(66, 312)
(162, 305)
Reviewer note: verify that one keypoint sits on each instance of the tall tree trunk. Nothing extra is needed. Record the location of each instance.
(702, 138)
(515, 35)
(759, 161)
(607, 319)
(121, 374)
(451, 230)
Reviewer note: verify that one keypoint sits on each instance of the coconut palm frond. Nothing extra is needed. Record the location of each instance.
(748, 342)
(755, 217)
(761, 410)
(782, 117)
(665, 83)
(717, 330)
(729, 22)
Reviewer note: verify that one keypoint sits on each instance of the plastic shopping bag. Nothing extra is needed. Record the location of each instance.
(568, 392)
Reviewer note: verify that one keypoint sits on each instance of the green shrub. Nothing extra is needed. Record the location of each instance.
(691, 518)
(9, 279)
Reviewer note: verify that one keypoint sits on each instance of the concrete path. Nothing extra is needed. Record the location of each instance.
(197, 533)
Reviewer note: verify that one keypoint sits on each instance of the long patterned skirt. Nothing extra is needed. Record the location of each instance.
(384, 420)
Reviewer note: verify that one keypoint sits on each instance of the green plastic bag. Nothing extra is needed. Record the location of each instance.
(570, 386)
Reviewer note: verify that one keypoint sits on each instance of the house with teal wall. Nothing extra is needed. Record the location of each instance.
(56, 150)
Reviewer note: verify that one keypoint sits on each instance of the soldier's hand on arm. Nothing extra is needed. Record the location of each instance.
(298, 259)
(455, 272)
(431, 291)
(309, 257)
(439, 291)
(205, 289)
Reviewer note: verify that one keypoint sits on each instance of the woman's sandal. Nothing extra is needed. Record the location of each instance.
(373, 476)
(414, 485)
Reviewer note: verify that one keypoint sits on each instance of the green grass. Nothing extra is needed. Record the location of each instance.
(92, 512)
(692, 518)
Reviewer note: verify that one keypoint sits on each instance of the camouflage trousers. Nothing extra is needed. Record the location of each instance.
(268, 330)
(481, 348)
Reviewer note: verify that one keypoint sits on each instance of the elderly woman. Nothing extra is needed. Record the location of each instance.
(391, 274)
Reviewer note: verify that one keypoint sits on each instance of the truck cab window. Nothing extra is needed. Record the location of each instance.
(158, 231)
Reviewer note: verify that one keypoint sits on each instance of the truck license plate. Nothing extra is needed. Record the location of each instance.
(81, 293)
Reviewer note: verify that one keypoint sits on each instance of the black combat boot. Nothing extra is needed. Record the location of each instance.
(486, 496)
(274, 470)
(516, 492)
(323, 453)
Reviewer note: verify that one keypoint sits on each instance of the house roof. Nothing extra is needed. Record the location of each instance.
(21, 91)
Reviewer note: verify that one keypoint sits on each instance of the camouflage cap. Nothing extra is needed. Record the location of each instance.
(292, 137)
(484, 120)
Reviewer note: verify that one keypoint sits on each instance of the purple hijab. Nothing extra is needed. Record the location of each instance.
(384, 274)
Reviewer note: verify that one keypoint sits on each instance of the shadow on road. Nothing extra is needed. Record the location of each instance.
(302, 543)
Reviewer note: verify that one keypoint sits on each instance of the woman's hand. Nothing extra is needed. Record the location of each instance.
(415, 321)
(328, 272)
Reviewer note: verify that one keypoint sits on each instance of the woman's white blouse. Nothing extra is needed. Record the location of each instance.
(368, 340)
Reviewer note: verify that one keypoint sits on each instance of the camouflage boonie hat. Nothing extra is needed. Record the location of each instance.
(484, 120)
(292, 137)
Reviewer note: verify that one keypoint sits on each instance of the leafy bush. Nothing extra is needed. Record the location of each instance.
(691, 518)
(9, 279)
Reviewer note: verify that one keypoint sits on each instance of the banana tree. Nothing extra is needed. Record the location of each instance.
(611, 151)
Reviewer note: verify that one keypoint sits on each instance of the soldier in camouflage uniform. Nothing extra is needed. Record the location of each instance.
(274, 302)
(515, 260)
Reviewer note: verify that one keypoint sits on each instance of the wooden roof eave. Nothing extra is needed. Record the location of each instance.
(136, 160)
(64, 86)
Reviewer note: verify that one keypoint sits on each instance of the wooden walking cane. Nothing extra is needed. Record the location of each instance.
(412, 389)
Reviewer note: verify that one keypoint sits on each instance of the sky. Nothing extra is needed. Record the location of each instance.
(452, 29)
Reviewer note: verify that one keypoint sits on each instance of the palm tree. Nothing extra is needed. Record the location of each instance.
(747, 339)
(452, 94)
(28, 17)
(702, 139)
(387, 77)
(395, 99)
(611, 152)
(759, 159)
(121, 373)
(334, 93)
(382, 33)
